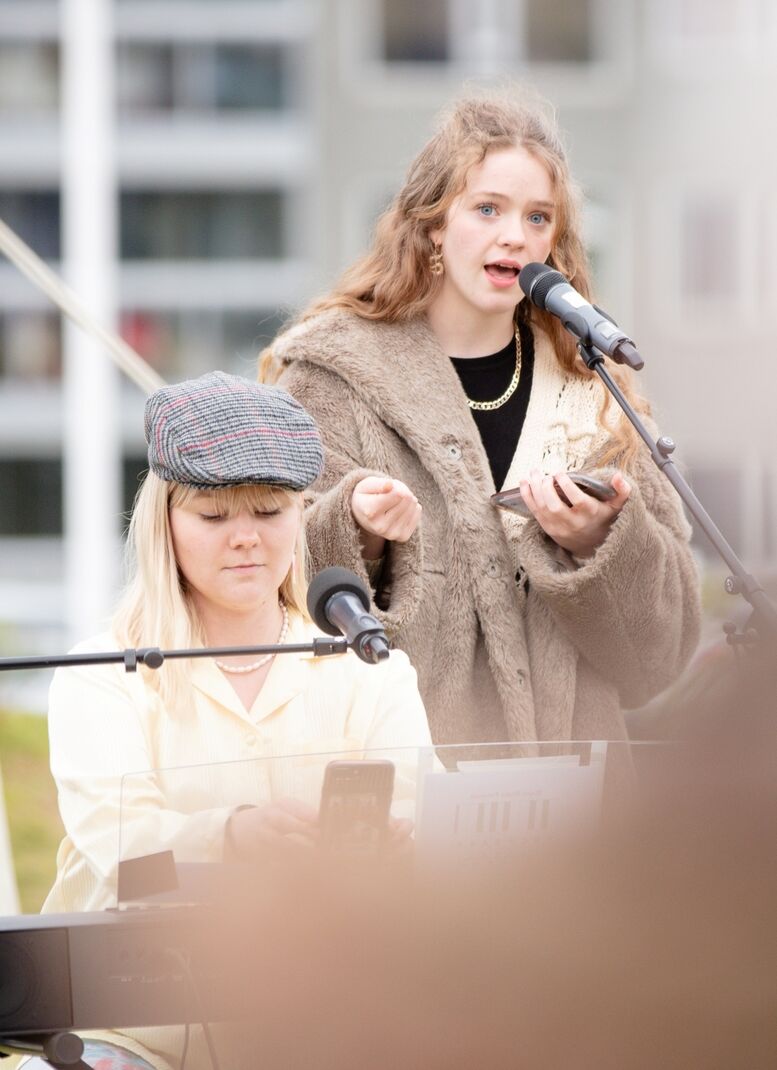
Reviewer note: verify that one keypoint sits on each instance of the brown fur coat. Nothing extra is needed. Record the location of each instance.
(509, 637)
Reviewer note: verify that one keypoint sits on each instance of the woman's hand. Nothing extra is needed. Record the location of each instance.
(284, 825)
(580, 527)
(385, 510)
(289, 827)
(399, 842)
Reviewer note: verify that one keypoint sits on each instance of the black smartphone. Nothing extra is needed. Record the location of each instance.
(355, 806)
(512, 500)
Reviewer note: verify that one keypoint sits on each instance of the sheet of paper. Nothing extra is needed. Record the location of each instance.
(500, 805)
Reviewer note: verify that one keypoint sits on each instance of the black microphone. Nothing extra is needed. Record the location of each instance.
(338, 602)
(548, 289)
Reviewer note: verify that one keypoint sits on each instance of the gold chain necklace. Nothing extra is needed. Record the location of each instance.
(497, 403)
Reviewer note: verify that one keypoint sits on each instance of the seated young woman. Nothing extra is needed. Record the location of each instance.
(217, 559)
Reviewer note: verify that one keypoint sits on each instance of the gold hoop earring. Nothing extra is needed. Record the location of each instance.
(436, 265)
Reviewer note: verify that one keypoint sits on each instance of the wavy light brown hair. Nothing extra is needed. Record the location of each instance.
(393, 282)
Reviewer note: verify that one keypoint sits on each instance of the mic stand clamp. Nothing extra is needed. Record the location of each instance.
(763, 620)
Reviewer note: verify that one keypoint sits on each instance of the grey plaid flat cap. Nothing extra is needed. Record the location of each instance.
(222, 431)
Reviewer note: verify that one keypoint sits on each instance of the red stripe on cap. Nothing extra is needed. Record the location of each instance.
(230, 436)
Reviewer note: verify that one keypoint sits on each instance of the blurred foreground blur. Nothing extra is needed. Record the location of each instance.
(652, 944)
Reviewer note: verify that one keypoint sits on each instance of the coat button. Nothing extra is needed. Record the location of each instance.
(520, 678)
(454, 452)
(492, 569)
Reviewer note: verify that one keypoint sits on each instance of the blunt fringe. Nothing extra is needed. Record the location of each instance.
(155, 608)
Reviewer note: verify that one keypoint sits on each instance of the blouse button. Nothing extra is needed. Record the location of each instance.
(250, 739)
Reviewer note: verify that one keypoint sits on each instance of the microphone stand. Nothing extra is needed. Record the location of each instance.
(153, 658)
(61, 1050)
(763, 621)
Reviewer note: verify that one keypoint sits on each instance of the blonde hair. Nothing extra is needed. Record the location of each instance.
(156, 608)
(393, 282)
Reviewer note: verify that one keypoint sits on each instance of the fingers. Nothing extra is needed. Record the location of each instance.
(385, 508)
(375, 485)
(298, 811)
(576, 497)
(376, 496)
(544, 496)
(287, 829)
(573, 519)
(623, 489)
(400, 829)
(400, 520)
(285, 822)
(293, 820)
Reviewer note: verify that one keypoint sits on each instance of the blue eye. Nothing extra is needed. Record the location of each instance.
(487, 210)
(537, 218)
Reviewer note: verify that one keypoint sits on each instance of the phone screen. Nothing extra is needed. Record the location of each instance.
(355, 806)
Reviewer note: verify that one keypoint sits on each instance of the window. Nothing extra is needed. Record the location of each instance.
(414, 32)
(30, 345)
(34, 215)
(211, 2)
(186, 344)
(557, 31)
(202, 225)
(200, 77)
(29, 76)
(133, 471)
(249, 77)
(439, 31)
(144, 78)
(31, 493)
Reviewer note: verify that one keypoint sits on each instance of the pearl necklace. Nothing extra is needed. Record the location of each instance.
(254, 665)
(489, 406)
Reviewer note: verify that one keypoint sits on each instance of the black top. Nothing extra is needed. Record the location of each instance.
(487, 378)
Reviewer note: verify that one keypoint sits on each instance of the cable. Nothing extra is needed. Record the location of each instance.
(185, 1048)
(183, 962)
(31, 265)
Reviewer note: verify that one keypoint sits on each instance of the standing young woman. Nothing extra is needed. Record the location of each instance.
(434, 383)
(218, 560)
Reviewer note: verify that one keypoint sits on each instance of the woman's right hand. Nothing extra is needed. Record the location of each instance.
(286, 824)
(385, 510)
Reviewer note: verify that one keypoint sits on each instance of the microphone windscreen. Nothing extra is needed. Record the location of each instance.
(329, 582)
(536, 281)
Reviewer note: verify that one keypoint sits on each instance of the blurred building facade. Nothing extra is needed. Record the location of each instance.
(256, 141)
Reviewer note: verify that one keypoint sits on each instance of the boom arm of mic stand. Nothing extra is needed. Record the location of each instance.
(153, 658)
(740, 582)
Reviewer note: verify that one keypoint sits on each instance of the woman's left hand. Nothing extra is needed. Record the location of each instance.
(580, 527)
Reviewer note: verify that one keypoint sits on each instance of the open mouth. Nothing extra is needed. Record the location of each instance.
(504, 270)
